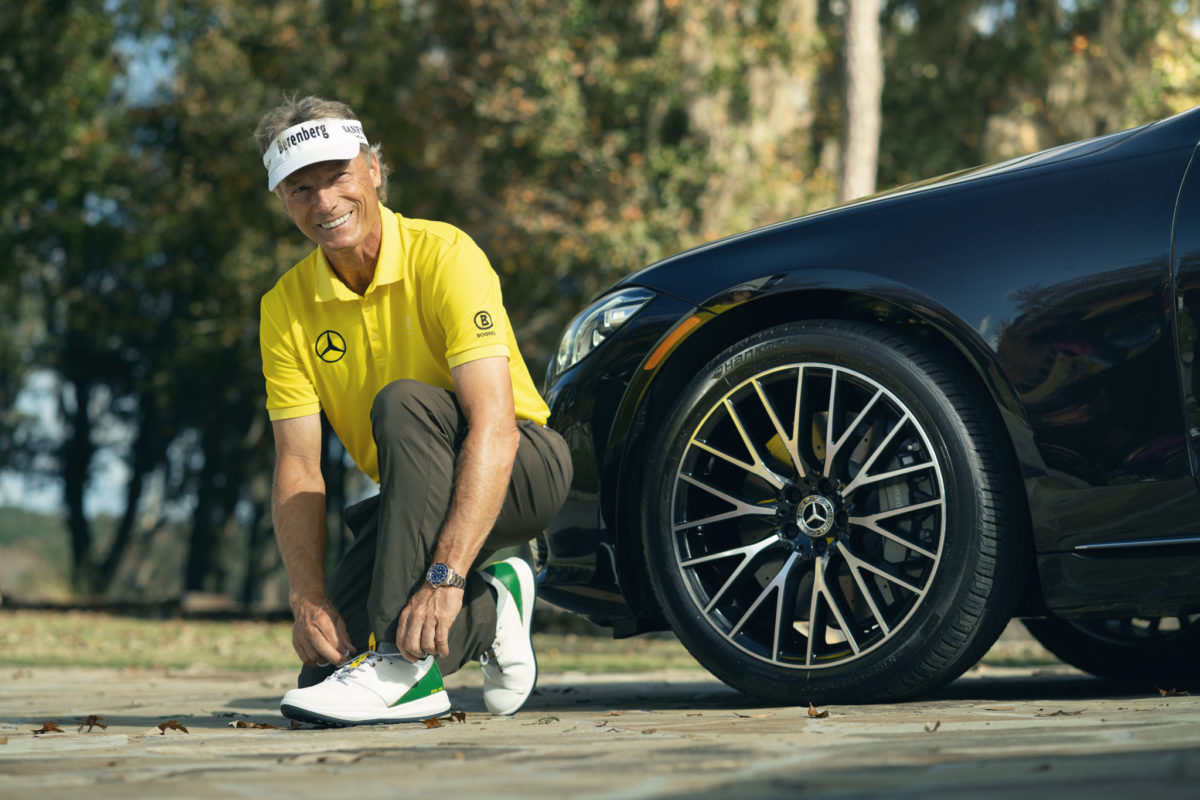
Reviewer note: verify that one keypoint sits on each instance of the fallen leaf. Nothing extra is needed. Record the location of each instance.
(295, 726)
(3, 740)
(547, 720)
(1172, 692)
(934, 727)
(459, 755)
(48, 727)
(697, 714)
(92, 721)
(171, 725)
(324, 758)
(812, 712)
(612, 714)
(756, 716)
(1061, 713)
(241, 723)
(432, 722)
(649, 730)
(458, 716)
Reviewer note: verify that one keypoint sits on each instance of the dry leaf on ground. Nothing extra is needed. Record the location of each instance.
(432, 722)
(1061, 713)
(91, 721)
(241, 723)
(324, 758)
(812, 712)
(931, 728)
(48, 727)
(1171, 692)
(3, 740)
(171, 725)
(649, 730)
(458, 716)
(753, 716)
(295, 726)
(611, 714)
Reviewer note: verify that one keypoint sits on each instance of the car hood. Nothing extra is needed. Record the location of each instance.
(696, 275)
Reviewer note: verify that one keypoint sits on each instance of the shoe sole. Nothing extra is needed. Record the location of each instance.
(416, 712)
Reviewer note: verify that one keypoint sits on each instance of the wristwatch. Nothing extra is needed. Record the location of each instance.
(440, 575)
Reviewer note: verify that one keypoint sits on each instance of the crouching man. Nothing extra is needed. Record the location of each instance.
(395, 328)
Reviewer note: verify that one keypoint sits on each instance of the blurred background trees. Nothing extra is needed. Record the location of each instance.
(576, 140)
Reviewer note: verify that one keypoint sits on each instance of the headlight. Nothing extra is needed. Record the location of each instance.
(595, 324)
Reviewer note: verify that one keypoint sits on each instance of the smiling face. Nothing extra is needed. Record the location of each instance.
(336, 205)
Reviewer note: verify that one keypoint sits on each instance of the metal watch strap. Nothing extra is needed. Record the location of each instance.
(441, 575)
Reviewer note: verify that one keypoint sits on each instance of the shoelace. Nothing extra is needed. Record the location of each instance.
(350, 671)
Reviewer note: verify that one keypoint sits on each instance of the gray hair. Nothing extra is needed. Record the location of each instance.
(293, 112)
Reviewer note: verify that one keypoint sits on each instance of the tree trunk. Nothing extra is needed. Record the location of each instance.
(864, 91)
(76, 457)
(141, 462)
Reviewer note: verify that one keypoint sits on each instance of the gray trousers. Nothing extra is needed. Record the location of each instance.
(419, 431)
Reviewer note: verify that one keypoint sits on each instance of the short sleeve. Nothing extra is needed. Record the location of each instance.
(290, 391)
(470, 308)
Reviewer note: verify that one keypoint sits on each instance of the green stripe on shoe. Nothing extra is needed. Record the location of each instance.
(504, 572)
(430, 684)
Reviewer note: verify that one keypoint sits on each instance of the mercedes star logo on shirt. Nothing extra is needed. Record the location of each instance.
(330, 346)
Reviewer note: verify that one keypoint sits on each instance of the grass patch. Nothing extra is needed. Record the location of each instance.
(91, 639)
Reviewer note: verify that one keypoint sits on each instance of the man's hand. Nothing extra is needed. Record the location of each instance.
(319, 634)
(424, 626)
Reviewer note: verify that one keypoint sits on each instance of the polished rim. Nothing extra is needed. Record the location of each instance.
(808, 515)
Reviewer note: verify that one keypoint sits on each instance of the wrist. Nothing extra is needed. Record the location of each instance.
(442, 575)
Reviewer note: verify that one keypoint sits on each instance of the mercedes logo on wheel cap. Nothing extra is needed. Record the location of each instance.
(815, 516)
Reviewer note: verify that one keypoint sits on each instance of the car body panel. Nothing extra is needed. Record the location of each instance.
(1051, 276)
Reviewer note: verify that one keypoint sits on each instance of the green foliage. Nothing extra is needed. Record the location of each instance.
(576, 141)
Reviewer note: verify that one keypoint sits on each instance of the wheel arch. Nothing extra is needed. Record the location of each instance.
(655, 388)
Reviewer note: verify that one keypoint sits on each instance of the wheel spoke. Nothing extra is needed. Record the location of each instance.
(776, 585)
(871, 523)
(757, 467)
(856, 572)
(821, 591)
(830, 414)
(789, 442)
(857, 563)
(832, 446)
(748, 553)
(741, 508)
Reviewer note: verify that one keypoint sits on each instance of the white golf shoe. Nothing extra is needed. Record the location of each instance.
(372, 688)
(509, 665)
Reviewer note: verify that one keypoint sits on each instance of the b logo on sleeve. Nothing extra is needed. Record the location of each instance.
(483, 321)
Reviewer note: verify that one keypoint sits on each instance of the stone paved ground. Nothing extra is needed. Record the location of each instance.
(996, 733)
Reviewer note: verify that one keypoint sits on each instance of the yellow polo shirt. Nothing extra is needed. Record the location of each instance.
(434, 303)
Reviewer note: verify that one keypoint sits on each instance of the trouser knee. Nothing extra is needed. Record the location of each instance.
(405, 407)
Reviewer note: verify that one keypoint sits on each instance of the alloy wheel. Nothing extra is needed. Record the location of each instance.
(808, 515)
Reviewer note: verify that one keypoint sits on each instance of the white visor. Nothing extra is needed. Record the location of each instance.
(310, 142)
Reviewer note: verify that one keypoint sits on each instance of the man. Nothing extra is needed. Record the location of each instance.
(395, 328)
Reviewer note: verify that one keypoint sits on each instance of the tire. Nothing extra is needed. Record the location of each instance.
(900, 548)
(1154, 650)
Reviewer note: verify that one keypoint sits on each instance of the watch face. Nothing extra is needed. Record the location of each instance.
(437, 574)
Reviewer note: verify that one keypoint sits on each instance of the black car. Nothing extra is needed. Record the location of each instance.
(838, 454)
